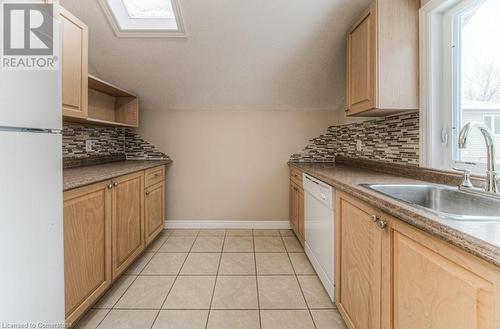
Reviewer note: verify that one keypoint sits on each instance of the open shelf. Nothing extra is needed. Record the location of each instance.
(111, 105)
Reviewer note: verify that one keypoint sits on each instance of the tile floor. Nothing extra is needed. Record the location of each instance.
(217, 279)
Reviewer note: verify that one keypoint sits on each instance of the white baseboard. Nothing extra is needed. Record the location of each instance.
(225, 224)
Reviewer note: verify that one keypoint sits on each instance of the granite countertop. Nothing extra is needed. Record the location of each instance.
(479, 238)
(81, 176)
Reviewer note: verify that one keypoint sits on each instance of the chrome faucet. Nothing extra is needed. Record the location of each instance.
(492, 176)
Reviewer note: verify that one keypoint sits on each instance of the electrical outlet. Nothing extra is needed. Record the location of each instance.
(89, 145)
(359, 145)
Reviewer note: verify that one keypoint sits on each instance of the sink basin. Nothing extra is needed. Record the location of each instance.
(445, 202)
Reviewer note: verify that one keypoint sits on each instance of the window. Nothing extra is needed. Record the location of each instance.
(149, 9)
(461, 81)
(493, 122)
(144, 18)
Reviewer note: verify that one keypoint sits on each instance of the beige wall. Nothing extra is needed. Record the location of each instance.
(230, 165)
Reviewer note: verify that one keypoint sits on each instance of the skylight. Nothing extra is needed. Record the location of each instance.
(149, 8)
(144, 18)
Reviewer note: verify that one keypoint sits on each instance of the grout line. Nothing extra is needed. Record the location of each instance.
(214, 309)
(94, 309)
(216, 279)
(173, 283)
(256, 275)
(256, 279)
(300, 287)
(130, 285)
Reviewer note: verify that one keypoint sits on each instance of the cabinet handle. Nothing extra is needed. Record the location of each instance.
(347, 109)
(147, 193)
(381, 224)
(375, 218)
(115, 184)
(110, 186)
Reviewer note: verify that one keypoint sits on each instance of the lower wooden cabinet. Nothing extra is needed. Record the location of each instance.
(154, 210)
(106, 227)
(358, 264)
(297, 210)
(127, 220)
(87, 247)
(392, 275)
(437, 286)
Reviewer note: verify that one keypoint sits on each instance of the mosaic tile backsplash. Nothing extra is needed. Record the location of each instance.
(109, 143)
(392, 139)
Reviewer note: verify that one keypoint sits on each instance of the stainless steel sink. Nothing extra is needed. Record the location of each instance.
(445, 202)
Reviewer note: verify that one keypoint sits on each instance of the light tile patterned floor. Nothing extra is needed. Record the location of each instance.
(218, 279)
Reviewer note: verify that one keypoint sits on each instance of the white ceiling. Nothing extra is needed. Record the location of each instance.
(239, 55)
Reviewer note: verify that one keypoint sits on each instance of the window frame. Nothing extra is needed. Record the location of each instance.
(493, 123)
(125, 26)
(440, 84)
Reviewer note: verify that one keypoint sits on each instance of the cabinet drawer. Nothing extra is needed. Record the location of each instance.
(296, 176)
(155, 175)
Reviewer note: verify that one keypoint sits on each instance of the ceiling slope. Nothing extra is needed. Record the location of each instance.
(239, 55)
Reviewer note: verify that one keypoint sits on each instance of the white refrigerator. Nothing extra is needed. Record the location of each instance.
(31, 223)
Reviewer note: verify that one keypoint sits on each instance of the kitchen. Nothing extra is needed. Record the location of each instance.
(250, 164)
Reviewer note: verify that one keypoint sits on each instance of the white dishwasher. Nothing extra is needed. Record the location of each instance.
(319, 223)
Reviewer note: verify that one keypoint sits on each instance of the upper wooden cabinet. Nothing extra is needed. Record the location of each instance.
(110, 105)
(392, 275)
(382, 59)
(86, 98)
(74, 60)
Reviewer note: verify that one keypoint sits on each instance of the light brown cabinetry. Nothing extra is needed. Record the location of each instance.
(297, 204)
(358, 264)
(110, 105)
(86, 98)
(392, 275)
(74, 61)
(154, 202)
(437, 286)
(87, 247)
(155, 175)
(106, 227)
(155, 210)
(361, 65)
(127, 220)
(382, 59)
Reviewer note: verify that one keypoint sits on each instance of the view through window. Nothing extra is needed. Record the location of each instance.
(151, 9)
(477, 30)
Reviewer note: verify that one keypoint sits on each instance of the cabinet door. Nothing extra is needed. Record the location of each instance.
(127, 220)
(295, 209)
(74, 66)
(87, 247)
(361, 63)
(358, 264)
(438, 286)
(292, 207)
(154, 210)
(300, 215)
